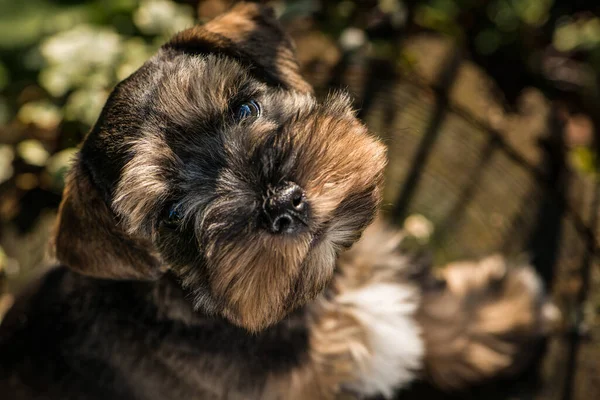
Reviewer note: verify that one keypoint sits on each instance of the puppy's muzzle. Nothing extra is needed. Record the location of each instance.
(285, 209)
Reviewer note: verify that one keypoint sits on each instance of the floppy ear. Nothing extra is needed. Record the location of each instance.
(251, 34)
(88, 239)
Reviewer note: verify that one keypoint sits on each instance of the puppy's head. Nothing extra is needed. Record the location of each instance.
(215, 161)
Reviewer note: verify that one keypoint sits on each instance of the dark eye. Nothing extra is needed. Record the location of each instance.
(173, 215)
(246, 110)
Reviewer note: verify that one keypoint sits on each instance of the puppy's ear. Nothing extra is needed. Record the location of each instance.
(88, 239)
(251, 34)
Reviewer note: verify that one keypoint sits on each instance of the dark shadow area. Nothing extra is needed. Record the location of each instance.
(545, 238)
(380, 74)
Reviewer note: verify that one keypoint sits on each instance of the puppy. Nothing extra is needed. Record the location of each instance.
(203, 240)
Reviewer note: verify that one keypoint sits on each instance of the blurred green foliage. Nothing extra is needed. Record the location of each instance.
(59, 60)
(78, 51)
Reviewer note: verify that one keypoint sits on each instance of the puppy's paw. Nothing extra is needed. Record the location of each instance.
(485, 323)
(507, 300)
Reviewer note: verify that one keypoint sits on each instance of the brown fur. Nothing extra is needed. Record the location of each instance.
(249, 32)
(88, 238)
(259, 283)
(245, 274)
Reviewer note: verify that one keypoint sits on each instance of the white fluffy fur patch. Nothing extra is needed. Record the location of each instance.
(396, 346)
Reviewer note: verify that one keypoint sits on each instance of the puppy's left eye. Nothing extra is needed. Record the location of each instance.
(173, 215)
(246, 110)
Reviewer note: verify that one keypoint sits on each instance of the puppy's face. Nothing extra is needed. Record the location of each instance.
(219, 165)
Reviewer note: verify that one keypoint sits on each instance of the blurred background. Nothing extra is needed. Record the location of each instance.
(490, 110)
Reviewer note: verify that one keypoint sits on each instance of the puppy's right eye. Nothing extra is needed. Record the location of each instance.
(173, 215)
(246, 110)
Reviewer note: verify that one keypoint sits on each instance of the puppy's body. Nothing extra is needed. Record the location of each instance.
(383, 322)
(205, 229)
(81, 340)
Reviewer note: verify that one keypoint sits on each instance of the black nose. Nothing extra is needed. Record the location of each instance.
(286, 209)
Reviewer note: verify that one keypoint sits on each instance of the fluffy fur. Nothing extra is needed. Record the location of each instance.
(215, 305)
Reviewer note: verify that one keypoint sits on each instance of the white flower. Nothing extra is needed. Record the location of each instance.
(40, 113)
(418, 226)
(33, 152)
(162, 17)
